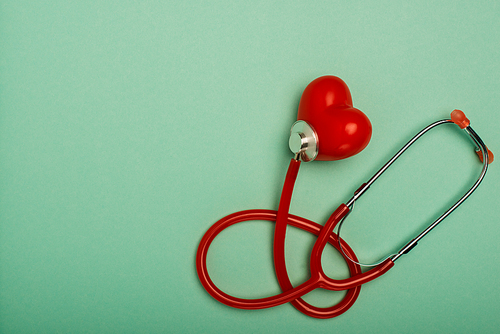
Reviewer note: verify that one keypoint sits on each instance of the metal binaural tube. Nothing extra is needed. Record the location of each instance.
(480, 144)
(485, 159)
(365, 187)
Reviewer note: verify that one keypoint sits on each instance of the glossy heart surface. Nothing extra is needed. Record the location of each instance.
(342, 130)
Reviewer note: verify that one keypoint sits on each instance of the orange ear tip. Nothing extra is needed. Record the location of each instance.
(491, 157)
(458, 117)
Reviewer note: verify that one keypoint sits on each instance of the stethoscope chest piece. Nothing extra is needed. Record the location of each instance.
(303, 141)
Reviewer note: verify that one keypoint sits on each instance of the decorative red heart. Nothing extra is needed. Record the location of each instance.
(342, 130)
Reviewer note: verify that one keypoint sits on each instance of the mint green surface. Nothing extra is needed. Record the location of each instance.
(127, 128)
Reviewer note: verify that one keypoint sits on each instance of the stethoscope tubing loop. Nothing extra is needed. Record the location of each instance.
(284, 297)
(318, 278)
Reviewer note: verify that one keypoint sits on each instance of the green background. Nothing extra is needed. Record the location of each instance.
(127, 128)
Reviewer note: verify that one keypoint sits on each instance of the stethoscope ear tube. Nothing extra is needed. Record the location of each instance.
(486, 157)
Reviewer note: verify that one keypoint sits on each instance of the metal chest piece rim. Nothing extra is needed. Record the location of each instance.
(303, 141)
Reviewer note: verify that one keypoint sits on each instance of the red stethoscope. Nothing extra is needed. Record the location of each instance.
(328, 128)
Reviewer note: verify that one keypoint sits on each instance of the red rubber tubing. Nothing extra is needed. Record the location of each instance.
(318, 278)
